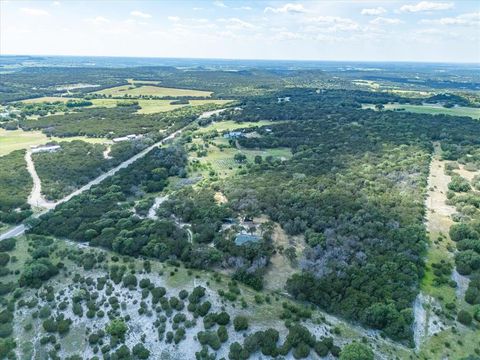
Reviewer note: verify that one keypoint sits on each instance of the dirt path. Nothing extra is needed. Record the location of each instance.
(36, 199)
(438, 219)
(281, 268)
(106, 152)
(152, 212)
(437, 222)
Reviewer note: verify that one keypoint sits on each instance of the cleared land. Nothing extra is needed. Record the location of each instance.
(438, 222)
(150, 82)
(45, 99)
(18, 139)
(230, 125)
(156, 106)
(432, 109)
(147, 106)
(151, 90)
(221, 161)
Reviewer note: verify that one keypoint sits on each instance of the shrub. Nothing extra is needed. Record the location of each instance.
(356, 351)
(140, 351)
(240, 323)
(117, 328)
(7, 244)
(5, 330)
(464, 317)
(4, 259)
(222, 318)
(130, 281)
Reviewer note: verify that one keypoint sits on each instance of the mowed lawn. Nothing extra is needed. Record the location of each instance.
(432, 109)
(18, 139)
(148, 90)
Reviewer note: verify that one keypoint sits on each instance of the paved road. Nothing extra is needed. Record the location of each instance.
(20, 229)
(16, 231)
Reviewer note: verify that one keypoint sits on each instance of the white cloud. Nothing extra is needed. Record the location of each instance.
(287, 8)
(248, 8)
(426, 6)
(237, 24)
(56, 3)
(287, 35)
(174, 18)
(374, 11)
(385, 21)
(220, 4)
(469, 19)
(98, 20)
(331, 24)
(138, 13)
(34, 12)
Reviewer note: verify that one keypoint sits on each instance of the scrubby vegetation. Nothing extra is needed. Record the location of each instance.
(298, 185)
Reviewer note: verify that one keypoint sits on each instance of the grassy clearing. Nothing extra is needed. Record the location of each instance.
(222, 163)
(150, 82)
(232, 125)
(368, 83)
(450, 345)
(432, 109)
(155, 106)
(45, 99)
(150, 90)
(18, 139)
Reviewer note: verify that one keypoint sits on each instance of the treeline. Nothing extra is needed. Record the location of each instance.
(15, 186)
(112, 122)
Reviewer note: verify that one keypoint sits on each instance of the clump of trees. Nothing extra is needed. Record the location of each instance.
(15, 186)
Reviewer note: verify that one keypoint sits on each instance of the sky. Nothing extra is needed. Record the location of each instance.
(437, 31)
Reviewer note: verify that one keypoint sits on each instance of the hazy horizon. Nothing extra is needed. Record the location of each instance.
(362, 31)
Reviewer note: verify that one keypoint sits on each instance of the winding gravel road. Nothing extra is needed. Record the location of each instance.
(20, 229)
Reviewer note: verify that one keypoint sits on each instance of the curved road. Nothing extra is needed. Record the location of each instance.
(20, 229)
(36, 198)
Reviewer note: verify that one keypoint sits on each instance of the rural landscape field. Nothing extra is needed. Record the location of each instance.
(164, 196)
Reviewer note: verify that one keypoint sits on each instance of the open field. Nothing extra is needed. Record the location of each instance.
(432, 109)
(18, 139)
(156, 106)
(232, 125)
(151, 90)
(221, 161)
(150, 82)
(147, 106)
(44, 99)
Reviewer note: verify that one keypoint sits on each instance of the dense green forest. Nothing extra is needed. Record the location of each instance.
(15, 186)
(103, 215)
(355, 188)
(64, 171)
(331, 198)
